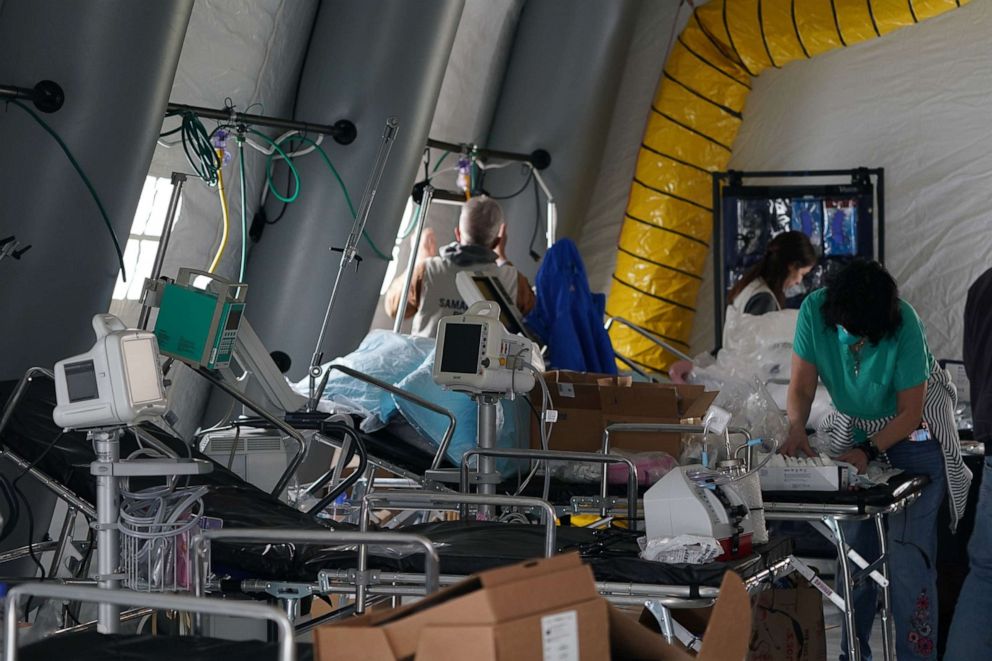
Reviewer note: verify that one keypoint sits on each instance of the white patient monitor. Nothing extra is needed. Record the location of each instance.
(476, 354)
(117, 382)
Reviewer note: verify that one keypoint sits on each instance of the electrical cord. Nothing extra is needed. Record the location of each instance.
(82, 175)
(27, 504)
(13, 507)
(545, 427)
(197, 146)
(296, 97)
(519, 191)
(224, 213)
(337, 176)
(294, 173)
(244, 210)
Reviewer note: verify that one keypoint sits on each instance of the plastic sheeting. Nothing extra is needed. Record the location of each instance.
(694, 120)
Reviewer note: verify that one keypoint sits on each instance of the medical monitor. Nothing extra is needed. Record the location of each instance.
(117, 382)
(475, 286)
(476, 354)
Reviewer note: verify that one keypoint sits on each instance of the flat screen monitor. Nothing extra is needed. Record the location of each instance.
(460, 353)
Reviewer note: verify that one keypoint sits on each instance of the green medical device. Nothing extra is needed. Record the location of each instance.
(200, 325)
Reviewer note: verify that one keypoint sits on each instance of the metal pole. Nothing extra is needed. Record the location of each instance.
(539, 158)
(587, 457)
(853, 644)
(718, 282)
(487, 428)
(403, 394)
(343, 131)
(448, 501)
(294, 464)
(888, 635)
(178, 181)
(350, 250)
(107, 449)
(552, 212)
(425, 207)
(880, 215)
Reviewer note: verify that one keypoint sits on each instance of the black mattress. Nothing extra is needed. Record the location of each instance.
(464, 546)
(880, 496)
(239, 504)
(93, 646)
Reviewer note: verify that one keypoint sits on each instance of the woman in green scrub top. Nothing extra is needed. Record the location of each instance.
(892, 403)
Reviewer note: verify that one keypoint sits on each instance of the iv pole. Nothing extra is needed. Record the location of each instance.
(350, 251)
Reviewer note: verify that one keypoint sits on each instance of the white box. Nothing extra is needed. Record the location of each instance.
(804, 478)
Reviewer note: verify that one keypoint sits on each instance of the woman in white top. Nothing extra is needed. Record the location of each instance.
(765, 286)
(787, 260)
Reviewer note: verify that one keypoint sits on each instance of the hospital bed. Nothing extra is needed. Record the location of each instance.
(260, 568)
(825, 511)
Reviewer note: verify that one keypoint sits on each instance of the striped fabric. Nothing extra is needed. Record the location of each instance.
(938, 411)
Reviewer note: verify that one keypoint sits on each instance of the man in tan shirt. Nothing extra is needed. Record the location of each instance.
(480, 246)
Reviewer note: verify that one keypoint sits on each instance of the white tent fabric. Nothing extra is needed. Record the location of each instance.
(915, 103)
(907, 102)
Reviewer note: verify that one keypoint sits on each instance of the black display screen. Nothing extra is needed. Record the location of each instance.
(460, 353)
(80, 381)
(233, 319)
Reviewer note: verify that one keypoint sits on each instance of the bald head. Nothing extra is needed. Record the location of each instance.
(480, 221)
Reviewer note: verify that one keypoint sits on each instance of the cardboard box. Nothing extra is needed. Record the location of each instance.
(514, 612)
(788, 625)
(541, 610)
(586, 403)
(728, 630)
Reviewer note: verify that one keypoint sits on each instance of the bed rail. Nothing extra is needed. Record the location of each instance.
(557, 455)
(287, 646)
(399, 392)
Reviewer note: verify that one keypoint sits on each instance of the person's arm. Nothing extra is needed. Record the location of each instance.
(426, 250)
(802, 390)
(909, 413)
(525, 295)
(395, 291)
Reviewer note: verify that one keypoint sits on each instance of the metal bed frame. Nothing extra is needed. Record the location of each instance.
(825, 519)
(287, 646)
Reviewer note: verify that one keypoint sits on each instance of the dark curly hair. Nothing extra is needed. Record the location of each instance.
(785, 251)
(863, 298)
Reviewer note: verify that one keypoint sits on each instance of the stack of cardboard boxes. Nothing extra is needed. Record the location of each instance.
(587, 403)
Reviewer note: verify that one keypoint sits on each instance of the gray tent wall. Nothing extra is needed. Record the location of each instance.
(367, 61)
(112, 114)
(559, 92)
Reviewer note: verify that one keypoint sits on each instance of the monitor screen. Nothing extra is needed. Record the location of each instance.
(488, 288)
(80, 381)
(460, 353)
(142, 369)
(233, 319)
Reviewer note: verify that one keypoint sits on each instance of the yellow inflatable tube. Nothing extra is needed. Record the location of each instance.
(694, 120)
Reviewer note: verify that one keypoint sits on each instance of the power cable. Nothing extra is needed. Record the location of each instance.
(82, 175)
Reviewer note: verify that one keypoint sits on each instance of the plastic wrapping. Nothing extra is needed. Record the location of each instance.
(694, 120)
(650, 467)
(382, 354)
(687, 549)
